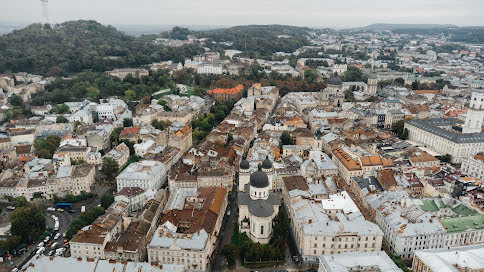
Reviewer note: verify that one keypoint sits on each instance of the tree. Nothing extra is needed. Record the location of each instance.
(350, 96)
(127, 122)
(61, 109)
(286, 139)
(114, 137)
(110, 167)
(20, 202)
(92, 92)
(130, 95)
(107, 200)
(230, 252)
(398, 127)
(446, 158)
(28, 223)
(16, 100)
(61, 119)
(45, 147)
(404, 135)
(310, 75)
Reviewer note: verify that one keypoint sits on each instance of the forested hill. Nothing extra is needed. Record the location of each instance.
(75, 46)
(257, 40)
(262, 40)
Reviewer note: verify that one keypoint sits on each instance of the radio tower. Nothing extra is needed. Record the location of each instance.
(45, 15)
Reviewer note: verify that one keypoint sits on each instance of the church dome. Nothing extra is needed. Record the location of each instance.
(335, 81)
(259, 179)
(267, 164)
(244, 164)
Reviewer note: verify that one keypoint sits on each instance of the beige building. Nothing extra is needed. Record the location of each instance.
(122, 73)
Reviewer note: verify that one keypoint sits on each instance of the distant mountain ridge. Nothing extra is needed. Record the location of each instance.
(382, 26)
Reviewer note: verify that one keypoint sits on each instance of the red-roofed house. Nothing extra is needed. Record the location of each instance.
(221, 95)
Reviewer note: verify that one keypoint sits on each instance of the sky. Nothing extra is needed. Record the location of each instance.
(313, 13)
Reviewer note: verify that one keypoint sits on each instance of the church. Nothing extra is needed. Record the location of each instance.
(258, 205)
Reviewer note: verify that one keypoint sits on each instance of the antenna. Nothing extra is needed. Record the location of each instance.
(45, 15)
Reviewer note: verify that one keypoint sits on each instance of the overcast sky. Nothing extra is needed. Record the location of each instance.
(319, 13)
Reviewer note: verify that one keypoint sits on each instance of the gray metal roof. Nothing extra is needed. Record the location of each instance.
(434, 126)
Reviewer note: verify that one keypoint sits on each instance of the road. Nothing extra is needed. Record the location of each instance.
(227, 229)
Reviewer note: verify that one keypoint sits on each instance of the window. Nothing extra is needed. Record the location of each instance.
(261, 230)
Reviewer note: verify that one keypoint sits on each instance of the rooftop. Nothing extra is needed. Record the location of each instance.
(453, 260)
(348, 261)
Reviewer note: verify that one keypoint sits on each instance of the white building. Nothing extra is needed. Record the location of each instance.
(257, 204)
(473, 166)
(105, 111)
(357, 261)
(406, 226)
(210, 68)
(146, 174)
(468, 258)
(328, 226)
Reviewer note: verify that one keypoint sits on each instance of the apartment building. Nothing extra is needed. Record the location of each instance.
(145, 174)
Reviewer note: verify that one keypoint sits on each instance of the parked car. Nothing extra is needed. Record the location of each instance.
(71, 211)
(51, 209)
(50, 243)
(10, 208)
(40, 250)
(57, 236)
(54, 245)
(60, 210)
(47, 239)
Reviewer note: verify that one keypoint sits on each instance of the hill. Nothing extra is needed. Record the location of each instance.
(75, 46)
(261, 40)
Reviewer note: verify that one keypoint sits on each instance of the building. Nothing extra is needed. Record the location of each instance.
(46, 263)
(210, 68)
(468, 258)
(257, 204)
(406, 226)
(120, 154)
(376, 261)
(327, 226)
(146, 174)
(220, 94)
(134, 196)
(440, 135)
(122, 73)
(474, 166)
(189, 228)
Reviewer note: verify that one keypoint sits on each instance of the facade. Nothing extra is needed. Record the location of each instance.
(473, 166)
(146, 174)
(210, 68)
(122, 73)
(134, 196)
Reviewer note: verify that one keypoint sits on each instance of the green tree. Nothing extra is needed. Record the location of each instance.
(310, 75)
(92, 92)
(230, 252)
(61, 119)
(110, 167)
(404, 135)
(20, 202)
(28, 223)
(16, 100)
(45, 147)
(127, 122)
(286, 139)
(130, 95)
(114, 137)
(61, 109)
(107, 200)
(398, 127)
(446, 158)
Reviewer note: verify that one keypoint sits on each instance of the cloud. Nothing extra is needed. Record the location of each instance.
(342, 13)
